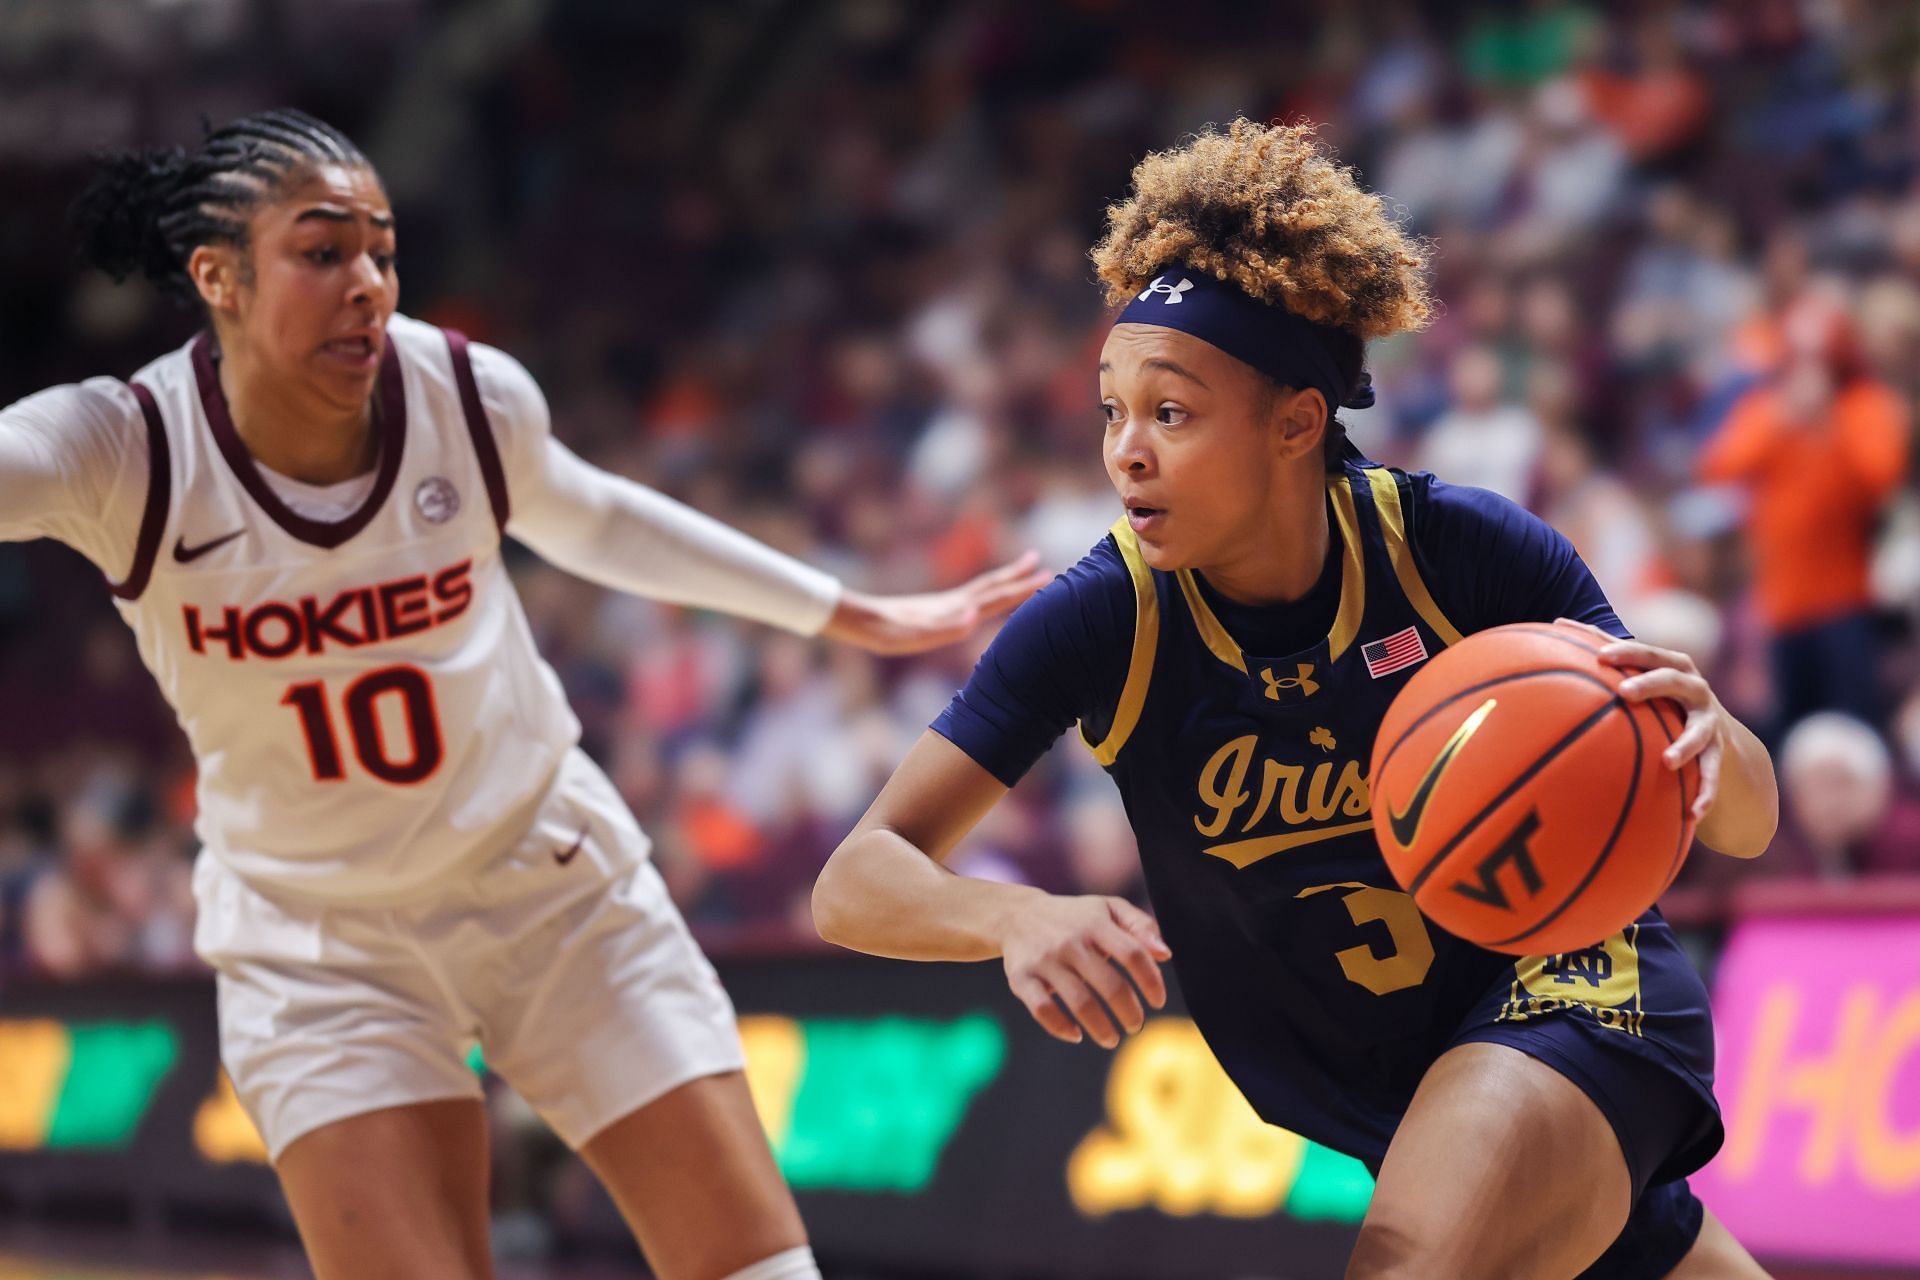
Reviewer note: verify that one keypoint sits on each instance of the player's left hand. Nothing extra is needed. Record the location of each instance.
(1667, 673)
(889, 625)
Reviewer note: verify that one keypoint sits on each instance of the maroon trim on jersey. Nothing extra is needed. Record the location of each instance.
(390, 414)
(479, 428)
(153, 520)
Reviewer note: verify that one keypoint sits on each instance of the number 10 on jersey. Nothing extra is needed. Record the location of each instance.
(361, 703)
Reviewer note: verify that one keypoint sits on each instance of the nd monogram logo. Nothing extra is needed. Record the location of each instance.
(1173, 291)
(1302, 679)
(1592, 966)
(1602, 980)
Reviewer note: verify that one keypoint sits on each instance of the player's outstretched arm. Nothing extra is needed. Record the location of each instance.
(912, 624)
(623, 535)
(33, 485)
(886, 891)
(73, 464)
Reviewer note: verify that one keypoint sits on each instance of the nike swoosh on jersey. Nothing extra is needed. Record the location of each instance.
(1406, 823)
(184, 554)
(573, 849)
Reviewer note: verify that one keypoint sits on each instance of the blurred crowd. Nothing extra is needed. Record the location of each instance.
(820, 269)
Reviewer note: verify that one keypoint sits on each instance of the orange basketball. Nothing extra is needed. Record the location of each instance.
(1523, 802)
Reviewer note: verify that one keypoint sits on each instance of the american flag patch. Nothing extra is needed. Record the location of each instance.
(1398, 651)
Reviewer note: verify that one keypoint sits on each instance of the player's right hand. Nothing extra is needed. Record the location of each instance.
(1069, 960)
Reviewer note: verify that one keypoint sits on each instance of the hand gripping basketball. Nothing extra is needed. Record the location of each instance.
(1522, 789)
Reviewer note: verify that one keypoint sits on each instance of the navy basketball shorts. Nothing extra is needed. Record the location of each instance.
(1627, 1021)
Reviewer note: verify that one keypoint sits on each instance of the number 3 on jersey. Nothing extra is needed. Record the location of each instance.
(361, 702)
(1410, 947)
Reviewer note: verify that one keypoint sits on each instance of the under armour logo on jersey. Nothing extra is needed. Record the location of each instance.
(1173, 291)
(1302, 680)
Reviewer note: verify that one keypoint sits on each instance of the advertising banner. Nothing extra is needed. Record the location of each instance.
(1819, 1076)
(922, 1119)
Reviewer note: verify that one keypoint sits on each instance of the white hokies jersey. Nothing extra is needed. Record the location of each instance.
(351, 665)
(363, 697)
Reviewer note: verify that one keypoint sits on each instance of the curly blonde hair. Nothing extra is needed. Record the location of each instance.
(1267, 208)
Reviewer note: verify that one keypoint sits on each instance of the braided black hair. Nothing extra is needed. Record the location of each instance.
(145, 211)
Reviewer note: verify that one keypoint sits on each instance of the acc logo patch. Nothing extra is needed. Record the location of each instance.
(436, 499)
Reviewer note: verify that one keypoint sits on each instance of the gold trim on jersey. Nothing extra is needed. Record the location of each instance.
(1353, 573)
(1353, 590)
(1146, 640)
(1223, 645)
(1244, 853)
(1386, 501)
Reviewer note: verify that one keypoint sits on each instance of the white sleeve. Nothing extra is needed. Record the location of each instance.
(623, 535)
(73, 466)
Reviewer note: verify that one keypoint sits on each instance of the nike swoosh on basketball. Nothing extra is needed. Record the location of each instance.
(1406, 822)
(185, 554)
(573, 849)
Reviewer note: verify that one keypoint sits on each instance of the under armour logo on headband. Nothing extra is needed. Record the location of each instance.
(1173, 291)
(1290, 349)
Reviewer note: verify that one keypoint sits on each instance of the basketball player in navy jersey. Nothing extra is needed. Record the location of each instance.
(1228, 651)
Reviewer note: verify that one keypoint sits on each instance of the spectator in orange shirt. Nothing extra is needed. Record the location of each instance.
(1658, 105)
(1820, 448)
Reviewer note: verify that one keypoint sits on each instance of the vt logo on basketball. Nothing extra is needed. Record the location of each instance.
(1308, 798)
(1513, 850)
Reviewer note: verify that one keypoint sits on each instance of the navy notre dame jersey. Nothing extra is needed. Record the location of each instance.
(1240, 738)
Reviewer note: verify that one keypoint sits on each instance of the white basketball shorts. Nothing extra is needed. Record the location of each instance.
(562, 957)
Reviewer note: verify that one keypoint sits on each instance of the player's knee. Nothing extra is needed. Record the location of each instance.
(1408, 1251)
(1384, 1252)
(789, 1264)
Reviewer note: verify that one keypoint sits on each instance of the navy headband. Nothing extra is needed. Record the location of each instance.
(1290, 349)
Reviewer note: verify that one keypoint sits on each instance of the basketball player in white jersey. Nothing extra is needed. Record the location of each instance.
(405, 852)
